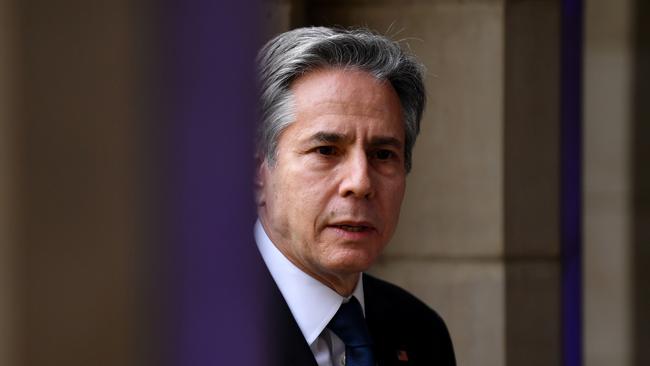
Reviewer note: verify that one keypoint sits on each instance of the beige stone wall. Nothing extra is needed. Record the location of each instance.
(532, 183)
(608, 85)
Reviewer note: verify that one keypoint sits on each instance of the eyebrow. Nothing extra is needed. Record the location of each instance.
(386, 141)
(335, 138)
(328, 137)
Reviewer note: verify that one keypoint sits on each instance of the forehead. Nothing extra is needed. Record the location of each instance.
(337, 98)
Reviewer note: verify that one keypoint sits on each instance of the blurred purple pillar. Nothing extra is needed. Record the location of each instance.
(206, 86)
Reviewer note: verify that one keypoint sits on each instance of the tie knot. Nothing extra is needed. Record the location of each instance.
(349, 324)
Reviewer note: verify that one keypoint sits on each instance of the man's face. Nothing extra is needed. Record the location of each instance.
(331, 201)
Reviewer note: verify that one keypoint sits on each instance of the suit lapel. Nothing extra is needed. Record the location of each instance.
(289, 347)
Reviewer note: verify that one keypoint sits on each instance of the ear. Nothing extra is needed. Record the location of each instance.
(261, 177)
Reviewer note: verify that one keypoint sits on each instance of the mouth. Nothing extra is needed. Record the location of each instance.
(353, 228)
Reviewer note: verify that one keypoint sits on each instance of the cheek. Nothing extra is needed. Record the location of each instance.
(302, 197)
(399, 197)
(310, 201)
(394, 191)
(305, 182)
(394, 194)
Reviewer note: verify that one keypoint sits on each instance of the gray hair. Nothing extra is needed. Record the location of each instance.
(294, 53)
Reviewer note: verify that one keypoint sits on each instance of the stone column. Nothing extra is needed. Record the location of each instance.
(532, 183)
(641, 183)
(608, 77)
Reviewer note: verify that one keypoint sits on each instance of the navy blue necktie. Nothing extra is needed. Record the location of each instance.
(349, 325)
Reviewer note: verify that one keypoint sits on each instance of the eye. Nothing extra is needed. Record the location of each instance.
(326, 150)
(384, 154)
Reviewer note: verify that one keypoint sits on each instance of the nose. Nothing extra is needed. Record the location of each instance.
(356, 180)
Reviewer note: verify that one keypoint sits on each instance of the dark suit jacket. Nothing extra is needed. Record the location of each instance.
(404, 330)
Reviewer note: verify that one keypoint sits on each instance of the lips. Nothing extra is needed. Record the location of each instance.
(354, 227)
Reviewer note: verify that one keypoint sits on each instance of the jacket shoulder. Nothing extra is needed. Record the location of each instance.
(394, 300)
(397, 319)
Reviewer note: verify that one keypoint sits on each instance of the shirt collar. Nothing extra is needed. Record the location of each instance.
(312, 303)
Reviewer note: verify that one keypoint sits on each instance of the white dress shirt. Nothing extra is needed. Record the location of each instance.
(312, 303)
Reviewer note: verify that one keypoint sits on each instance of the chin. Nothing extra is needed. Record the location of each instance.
(350, 264)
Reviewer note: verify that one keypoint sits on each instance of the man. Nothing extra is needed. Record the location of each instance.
(340, 114)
